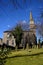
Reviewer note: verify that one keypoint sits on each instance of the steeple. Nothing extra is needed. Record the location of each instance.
(31, 18)
(32, 24)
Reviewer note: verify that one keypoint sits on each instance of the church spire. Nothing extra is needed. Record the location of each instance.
(31, 18)
(32, 24)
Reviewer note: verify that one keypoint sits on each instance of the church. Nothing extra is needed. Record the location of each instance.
(9, 39)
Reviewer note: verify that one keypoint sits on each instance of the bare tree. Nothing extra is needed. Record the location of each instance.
(17, 4)
(40, 29)
(40, 25)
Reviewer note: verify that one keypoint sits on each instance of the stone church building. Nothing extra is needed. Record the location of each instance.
(9, 39)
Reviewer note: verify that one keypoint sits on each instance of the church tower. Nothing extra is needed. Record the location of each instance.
(32, 24)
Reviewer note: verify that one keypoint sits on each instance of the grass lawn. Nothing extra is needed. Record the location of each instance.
(25, 57)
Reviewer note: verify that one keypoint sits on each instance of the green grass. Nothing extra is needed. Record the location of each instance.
(25, 57)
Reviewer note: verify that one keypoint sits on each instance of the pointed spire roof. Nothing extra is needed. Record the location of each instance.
(31, 18)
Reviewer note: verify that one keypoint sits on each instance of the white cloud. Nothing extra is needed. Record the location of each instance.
(8, 25)
(24, 21)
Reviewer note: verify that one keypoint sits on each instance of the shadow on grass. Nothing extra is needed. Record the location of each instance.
(37, 54)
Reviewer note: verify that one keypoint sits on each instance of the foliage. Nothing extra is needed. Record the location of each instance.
(3, 55)
(17, 32)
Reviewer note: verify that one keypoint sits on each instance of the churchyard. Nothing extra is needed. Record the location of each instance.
(25, 57)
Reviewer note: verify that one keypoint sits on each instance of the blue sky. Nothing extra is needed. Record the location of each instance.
(10, 14)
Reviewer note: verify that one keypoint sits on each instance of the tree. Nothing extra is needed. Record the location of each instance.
(17, 4)
(40, 29)
(4, 51)
(40, 26)
(17, 32)
(33, 39)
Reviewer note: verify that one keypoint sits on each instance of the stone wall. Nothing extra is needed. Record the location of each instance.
(9, 39)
